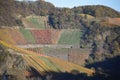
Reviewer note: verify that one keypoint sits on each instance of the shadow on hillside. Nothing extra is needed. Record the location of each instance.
(111, 67)
(73, 75)
(110, 71)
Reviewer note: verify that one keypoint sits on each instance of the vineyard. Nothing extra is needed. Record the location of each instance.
(59, 43)
(78, 56)
(71, 36)
(5, 36)
(38, 22)
(36, 36)
(42, 36)
(74, 55)
(61, 53)
(17, 36)
(28, 36)
(55, 35)
(43, 63)
(36, 50)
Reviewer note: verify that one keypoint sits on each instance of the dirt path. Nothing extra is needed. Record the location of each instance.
(40, 45)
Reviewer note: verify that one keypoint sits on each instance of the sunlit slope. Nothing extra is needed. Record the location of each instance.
(42, 36)
(111, 21)
(27, 35)
(55, 35)
(87, 16)
(37, 22)
(17, 36)
(12, 36)
(24, 36)
(44, 63)
(5, 36)
(70, 36)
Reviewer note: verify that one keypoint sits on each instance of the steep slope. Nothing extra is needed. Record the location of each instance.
(45, 64)
(27, 35)
(42, 36)
(5, 36)
(70, 36)
(12, 36)
(17, 36)
(39, 22)
(23, 36)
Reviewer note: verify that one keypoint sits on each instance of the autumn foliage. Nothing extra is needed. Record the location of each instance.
(42, 62)
(42, 36)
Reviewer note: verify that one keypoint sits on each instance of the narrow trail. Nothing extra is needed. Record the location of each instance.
(40, 45)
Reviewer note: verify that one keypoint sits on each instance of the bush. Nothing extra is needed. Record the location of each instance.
(3, 54)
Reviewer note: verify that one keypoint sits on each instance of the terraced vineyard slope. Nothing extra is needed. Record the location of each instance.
(43, 63)
(71, 36)
(36, 21)
(18, 38)
(28, 36)
(42, 36)
(5, 36)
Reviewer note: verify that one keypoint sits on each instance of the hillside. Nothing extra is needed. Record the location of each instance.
(12, 11)
(39, 41)
(38, 36)
(70, 36)
(66, 18)
(34, 62)
(97, 11)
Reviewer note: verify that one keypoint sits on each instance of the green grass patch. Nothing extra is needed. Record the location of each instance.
(70, 37)
(50, 64)
(28, 35)
(38, 22)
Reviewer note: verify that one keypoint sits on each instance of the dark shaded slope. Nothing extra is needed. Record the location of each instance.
(110, 66)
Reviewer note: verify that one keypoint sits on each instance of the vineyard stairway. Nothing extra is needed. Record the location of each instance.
(44, 64)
